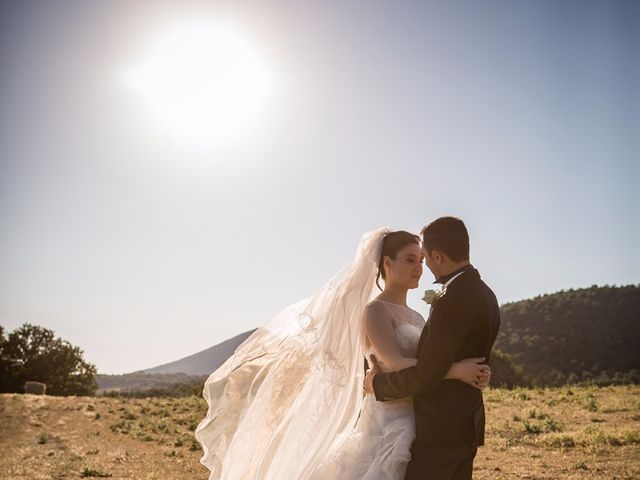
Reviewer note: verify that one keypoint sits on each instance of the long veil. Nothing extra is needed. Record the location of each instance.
(293, 390)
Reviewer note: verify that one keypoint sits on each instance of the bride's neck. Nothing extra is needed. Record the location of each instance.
(394, 294)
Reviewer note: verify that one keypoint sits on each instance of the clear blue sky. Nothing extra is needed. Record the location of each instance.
(522, 118)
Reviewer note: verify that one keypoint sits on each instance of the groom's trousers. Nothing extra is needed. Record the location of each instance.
(436, 463)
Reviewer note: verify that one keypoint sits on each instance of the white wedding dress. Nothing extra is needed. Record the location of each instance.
(379, 446)
(288, 404)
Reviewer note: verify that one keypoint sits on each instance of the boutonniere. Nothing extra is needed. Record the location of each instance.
(434, 294)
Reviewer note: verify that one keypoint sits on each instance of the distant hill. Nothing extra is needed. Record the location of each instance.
(144, 381)
(577, 335)
(204, 362)
(186, 370)
(588, 334)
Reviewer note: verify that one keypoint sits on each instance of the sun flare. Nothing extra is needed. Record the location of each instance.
(203, 84)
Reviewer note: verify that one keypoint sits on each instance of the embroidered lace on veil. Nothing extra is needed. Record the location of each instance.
(293, 390)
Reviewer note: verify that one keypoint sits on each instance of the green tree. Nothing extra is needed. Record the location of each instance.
(505, 372)
(5, 365)
(35, 353)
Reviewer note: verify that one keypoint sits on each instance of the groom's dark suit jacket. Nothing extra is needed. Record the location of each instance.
(463, 324)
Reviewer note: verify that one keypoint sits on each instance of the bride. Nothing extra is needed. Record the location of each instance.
(289, 403)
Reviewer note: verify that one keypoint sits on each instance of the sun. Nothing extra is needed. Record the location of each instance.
(203, 84)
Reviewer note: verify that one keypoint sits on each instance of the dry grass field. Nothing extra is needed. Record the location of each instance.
(564, 433)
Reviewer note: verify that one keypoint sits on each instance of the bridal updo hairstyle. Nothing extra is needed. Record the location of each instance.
(448, 235)
(394, 242)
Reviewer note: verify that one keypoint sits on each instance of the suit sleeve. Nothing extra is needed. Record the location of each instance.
(449, 325)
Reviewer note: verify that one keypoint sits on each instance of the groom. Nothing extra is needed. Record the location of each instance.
(463, 323)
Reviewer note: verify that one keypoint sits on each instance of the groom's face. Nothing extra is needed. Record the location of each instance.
(431, 262)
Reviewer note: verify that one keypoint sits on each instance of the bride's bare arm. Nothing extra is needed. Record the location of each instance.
(379, 330)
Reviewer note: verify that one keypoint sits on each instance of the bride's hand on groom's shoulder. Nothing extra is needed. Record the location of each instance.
(368, 379)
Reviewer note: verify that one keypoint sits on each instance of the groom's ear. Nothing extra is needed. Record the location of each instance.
(437, 256)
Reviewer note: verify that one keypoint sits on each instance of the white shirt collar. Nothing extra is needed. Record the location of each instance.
(453, 278)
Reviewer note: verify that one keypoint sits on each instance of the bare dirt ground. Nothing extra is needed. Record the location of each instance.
(44, 437)
(535, 434)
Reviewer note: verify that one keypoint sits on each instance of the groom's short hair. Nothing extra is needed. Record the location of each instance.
(449, 235)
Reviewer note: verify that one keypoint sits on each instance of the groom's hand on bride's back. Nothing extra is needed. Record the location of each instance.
(368, 379)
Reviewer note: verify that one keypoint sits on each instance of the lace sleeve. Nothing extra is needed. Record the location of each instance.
(379, 330)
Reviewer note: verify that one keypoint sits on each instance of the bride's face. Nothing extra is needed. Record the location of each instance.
(406, 269)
